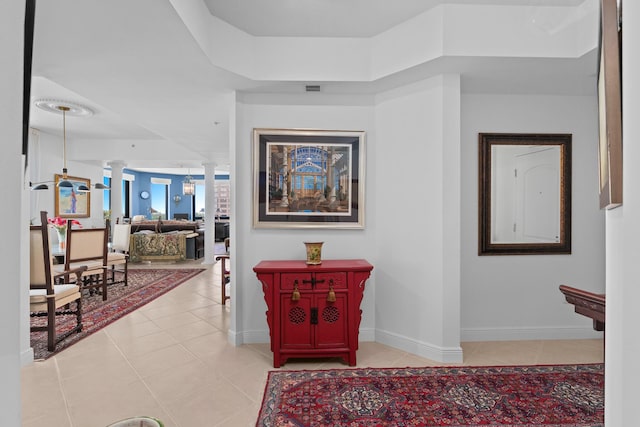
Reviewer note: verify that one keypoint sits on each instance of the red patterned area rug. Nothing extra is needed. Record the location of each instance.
(523, 396)
(144, 286)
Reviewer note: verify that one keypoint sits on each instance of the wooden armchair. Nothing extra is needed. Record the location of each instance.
(225, 276)
(88, 247)
(119, 253)
(45, 297)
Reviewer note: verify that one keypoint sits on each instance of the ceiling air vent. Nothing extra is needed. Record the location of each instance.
(312, 88)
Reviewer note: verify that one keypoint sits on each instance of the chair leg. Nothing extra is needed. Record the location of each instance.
(224, 292)
(51, 325)
(79, 314)
(104, 284)
(126, 273)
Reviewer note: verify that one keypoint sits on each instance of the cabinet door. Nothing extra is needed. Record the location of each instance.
(332, 327)
(295, 321)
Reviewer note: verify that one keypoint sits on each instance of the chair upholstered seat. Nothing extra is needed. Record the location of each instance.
(116, 258)
(63, 295)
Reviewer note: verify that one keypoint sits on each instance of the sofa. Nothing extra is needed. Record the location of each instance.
(166, 240)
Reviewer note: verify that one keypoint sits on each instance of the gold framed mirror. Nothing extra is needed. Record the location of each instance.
(524, 195)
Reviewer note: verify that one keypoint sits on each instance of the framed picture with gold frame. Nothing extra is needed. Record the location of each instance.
(69, 201)
(610, 107)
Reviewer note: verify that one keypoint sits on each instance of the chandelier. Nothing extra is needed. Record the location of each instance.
(188, 186)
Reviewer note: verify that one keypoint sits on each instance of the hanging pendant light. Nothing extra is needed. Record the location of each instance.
(64, 182)
(40, 186)
(65, 108)
(188, 186)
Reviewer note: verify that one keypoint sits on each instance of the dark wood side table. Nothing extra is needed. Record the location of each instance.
(587, 303)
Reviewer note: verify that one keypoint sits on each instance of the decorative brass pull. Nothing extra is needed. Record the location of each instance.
(314, 281)
(295, 295)
(331, 297)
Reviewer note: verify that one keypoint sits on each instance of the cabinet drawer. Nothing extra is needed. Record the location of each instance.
(306, 280)
(338, 280)
(287, 280)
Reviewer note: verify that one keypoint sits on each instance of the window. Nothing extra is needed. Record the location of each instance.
(159, 198)
(106, 197)
(222, 189)
(126, 196)
(198, 205)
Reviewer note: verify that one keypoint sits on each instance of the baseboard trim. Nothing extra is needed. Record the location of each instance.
(520, 334)
(26, 356)
(420, 348)
(367, 335)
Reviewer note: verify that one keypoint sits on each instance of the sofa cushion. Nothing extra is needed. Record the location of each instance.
(166, 226)
(146, 225)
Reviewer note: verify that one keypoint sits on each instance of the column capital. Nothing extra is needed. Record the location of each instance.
(209, 164)
(117, 164)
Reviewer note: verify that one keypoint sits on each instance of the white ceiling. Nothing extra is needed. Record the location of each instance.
(335, 18)
(139, 68)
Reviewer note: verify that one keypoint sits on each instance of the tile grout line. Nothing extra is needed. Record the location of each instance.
(64, 395)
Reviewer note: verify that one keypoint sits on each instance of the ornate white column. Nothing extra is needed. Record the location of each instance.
(209, 212)
(116, 189)
(331, 182)
(285, 171)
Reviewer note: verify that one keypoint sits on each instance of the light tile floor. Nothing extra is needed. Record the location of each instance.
(171, 359)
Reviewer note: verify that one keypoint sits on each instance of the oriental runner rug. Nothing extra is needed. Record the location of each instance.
(523, 396)
(144, 285)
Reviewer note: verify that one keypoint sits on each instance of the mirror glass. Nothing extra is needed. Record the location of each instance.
(525, 194)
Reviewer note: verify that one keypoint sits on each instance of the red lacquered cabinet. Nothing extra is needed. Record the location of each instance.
(313, 310)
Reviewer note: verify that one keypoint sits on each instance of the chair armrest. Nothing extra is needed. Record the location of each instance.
(77, 271)
(225, 270)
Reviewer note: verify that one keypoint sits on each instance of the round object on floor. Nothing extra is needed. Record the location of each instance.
(138, 422)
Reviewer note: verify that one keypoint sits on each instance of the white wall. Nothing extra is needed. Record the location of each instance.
(14, 223)
(623, 252)
(253, 245)
(416, 202)
(517, 297)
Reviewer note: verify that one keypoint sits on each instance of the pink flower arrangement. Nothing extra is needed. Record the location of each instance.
(60, 224)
